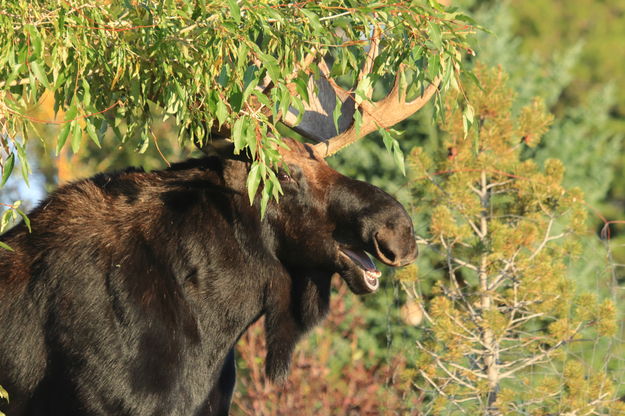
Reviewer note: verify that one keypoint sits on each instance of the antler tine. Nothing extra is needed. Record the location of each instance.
(317, 122)
(393, 109)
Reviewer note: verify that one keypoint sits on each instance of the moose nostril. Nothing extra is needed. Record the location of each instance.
(384, 252)
(395, 249)
(388, 253)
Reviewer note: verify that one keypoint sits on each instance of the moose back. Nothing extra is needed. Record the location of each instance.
(132, 289)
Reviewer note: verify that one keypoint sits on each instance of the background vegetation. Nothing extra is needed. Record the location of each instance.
(551, 88)
(586, 134)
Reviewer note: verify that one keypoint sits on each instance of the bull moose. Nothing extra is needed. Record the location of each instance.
(132, 289)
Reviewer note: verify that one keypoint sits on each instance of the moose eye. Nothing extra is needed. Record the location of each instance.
(284, 177)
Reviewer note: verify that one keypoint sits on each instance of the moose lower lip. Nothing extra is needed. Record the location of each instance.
(371, 279)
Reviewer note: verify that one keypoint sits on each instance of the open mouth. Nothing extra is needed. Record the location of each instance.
(370, 274)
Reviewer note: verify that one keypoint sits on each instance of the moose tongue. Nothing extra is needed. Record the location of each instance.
(362, 259)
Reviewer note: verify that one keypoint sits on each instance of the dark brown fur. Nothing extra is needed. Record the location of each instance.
(131, 291)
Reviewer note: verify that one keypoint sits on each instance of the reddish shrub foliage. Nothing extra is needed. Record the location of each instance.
(321, 381)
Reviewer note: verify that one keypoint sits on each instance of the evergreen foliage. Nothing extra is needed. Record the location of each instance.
(503, 324)
(599, 27)
(591, 104)
(581, 135)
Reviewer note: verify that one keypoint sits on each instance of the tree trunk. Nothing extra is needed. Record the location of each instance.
(491, 356)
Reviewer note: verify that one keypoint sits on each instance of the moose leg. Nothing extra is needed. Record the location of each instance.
(221, 394)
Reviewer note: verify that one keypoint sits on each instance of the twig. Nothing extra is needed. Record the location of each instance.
(159, 149)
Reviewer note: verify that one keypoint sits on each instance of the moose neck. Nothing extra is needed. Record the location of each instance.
(225, 283)
(229, 285)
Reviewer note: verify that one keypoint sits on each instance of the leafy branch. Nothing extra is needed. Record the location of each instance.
(222, 66)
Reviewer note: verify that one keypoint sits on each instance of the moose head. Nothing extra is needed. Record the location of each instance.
(342, 218)
(327, 222)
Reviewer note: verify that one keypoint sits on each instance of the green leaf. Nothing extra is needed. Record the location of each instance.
(223, 77)
(144, 139)
(469, 112)
(250, 137)
(277, 188)
(299, 106)
(198, 133)
(222, 113)
(16, 71)
(71, 112)
(399, 157)
(387, 139)
(435, 35)
(313, 19)
(25, 167)
(336, 114)
(357, 121)
(264, 199)
(235, 10)
(3, 392)
(285, 100)
(403, 84)
(250, 88)
(301, 86)
(271, 64)
(25, 219)
(76, 136)
(474, 79)
(363, 90)
(7, 217)
(62, 137)
(35, 40)
(253, 180)
(39, 73)
(449, 70)
(238, 136)
(242, 57)
(434, 66)
(59, 81)
(262, 98)
(135, 90)
(8, 168)
(93, 135)
(467, 119)
(86, 99)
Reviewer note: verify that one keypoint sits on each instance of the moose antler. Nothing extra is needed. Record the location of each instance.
(317, 122)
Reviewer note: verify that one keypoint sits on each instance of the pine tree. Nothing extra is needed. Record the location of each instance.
(503, 325)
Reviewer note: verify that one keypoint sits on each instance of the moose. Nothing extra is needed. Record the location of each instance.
(131, 290)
